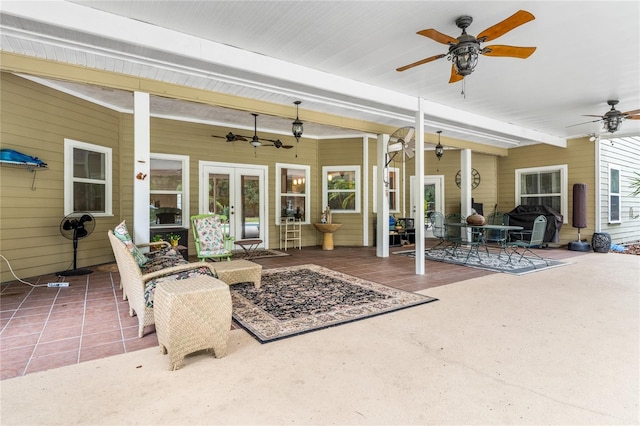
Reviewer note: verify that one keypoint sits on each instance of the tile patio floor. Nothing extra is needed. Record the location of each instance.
(43, 328)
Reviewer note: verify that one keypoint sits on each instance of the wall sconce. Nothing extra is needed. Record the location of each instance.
(439, 148)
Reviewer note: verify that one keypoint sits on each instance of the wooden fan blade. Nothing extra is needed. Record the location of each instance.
(580, 124)
(423, 61)
(438, 36)
(455, 77)
(632, 117)
(510, 51)
(501, 28)
(634, 112)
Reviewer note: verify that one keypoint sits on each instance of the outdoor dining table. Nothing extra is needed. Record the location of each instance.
(478, 236)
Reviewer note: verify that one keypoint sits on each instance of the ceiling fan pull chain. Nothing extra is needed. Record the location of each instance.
(464, 93)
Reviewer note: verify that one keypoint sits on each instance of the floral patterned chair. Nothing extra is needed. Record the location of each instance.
(210, 238)
(139, 277)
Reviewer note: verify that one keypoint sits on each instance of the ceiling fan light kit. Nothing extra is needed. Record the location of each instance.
(612, 119)
(465, 50)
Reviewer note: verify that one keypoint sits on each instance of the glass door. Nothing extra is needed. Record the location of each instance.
(433, 198)
(238, 193)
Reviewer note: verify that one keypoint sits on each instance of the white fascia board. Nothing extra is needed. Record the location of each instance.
(92, 21)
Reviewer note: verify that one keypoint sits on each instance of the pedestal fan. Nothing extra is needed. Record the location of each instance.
(76, 226)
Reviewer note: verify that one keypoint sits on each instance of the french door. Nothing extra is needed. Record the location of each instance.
(238, 192)
(433, 198)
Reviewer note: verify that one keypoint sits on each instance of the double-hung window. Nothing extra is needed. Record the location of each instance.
(292, 192)
(341, 188)
(543, 186)
(614, 195)
(168, 190)
(87, 178)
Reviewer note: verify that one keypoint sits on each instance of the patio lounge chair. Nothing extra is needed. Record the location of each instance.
(140, 287)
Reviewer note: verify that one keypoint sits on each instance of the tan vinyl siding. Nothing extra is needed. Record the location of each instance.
(195, 140)
(624, 154)
(35, 121)
(346, 152)
(579, 157)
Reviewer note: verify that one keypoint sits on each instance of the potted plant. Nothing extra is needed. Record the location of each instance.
(173, 239)
(156, 239)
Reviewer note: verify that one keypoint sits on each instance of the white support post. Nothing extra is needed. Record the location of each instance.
(141, 166)
(382, 200)
(418, 195)
(365, 191)
(465, 185)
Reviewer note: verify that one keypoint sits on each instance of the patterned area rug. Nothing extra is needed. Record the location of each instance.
(299, 299)
(259, 253)
(490, 262)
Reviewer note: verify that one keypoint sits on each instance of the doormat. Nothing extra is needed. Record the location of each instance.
(490, 262)
(257, 254)
(299, 299)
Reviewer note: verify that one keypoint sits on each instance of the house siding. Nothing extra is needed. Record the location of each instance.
(579, 156)
(623, 153)
(35, 121)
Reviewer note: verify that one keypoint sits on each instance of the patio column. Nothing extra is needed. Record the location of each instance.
(382, 200)
(418, 188)
(141, 166)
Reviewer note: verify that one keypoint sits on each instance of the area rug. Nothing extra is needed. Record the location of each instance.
(299, 299)
(258, 254)
(491, 262)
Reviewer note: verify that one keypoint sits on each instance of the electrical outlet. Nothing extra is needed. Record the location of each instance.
(59, 284)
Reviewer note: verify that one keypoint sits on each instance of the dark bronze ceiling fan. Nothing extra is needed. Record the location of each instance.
(612, 119)
(254, 140)
(464, 50)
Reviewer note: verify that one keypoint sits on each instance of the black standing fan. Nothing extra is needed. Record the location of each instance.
(76, 226)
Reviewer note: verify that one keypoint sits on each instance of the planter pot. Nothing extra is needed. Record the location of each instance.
(475, 219)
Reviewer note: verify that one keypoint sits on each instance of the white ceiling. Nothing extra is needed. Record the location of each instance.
(340, 57)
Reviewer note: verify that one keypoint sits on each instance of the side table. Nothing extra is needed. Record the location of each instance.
(249, 246)
(192, 315)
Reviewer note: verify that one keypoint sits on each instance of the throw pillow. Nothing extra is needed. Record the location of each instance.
(122, 233)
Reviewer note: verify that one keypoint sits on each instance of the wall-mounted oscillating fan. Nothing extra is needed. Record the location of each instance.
(402, 145)
(76, 226)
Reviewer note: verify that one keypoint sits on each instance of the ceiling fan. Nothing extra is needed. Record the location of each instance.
(254, 140)
(613, 118)
(464, 50)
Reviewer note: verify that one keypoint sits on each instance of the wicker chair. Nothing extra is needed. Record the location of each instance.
(209, 237)
(140, 287)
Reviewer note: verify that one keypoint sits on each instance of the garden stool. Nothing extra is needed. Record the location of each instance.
(192, 315)
(601, 242)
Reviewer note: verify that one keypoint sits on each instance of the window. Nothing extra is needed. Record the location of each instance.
(292, 196)
(614, 195)
(341, 188)
(543, 185)
(393, 183)
(87, 178)
(168, 190)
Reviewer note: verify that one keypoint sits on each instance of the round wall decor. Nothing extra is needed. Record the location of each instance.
(475, 178)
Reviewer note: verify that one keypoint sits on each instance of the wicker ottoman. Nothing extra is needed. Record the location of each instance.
(192, 315)
(239, 271)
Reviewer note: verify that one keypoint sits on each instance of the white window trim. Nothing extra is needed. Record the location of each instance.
(185, 189)
(307, 194)
(325, 196)
(395, 192)
(618, 194)
(564, 172)
(69, 145)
